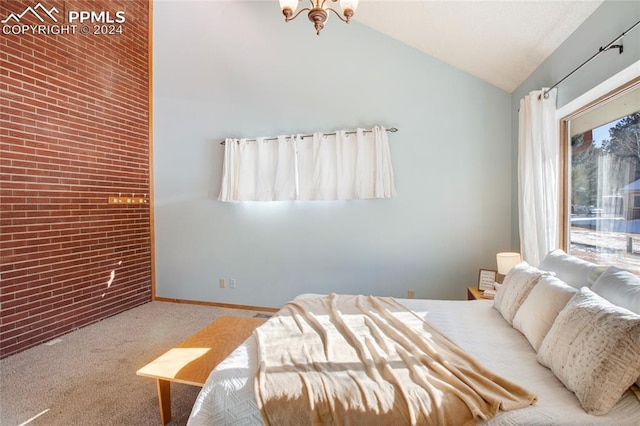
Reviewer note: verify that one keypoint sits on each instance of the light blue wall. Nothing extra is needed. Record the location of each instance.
(235, 69)
(610, 20)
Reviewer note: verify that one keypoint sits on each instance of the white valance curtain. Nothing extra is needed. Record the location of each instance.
(538, 175)
(337, 166)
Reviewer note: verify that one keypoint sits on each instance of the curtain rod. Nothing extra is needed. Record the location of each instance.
(390, 129)
(601, 50)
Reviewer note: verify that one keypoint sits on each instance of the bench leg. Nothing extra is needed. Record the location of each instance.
(164, 399)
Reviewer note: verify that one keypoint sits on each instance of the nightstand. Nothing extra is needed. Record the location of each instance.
(473, 293)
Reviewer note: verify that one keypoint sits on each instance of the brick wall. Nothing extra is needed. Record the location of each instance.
(74, 115)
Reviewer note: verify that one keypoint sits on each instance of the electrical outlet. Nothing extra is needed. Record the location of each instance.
(232, 283)
(411, 294)
(222, 284)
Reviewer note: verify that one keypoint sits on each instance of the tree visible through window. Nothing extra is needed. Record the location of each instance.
(604, 220)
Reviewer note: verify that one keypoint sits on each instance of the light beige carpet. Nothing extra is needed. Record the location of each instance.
(89, 376)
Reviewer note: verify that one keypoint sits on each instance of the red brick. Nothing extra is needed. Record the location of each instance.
(67, 145)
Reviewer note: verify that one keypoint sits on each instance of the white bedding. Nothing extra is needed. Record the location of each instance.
(228, 398)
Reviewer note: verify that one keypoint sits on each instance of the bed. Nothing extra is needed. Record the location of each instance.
(507, 340)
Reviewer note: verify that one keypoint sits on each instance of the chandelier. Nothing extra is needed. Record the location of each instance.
(318, 11)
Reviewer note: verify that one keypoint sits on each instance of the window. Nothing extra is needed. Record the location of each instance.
(601, 144)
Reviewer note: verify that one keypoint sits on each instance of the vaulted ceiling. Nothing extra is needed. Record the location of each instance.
(500, 42)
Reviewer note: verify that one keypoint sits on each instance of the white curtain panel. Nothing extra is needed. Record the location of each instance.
(259, 170)
(338, 166)
(538, 176)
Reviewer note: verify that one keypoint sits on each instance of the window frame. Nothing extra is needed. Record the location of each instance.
(565, 157)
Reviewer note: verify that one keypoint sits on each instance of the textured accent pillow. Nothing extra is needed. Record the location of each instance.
(515, 288)
(570, 269)
(593, 347)
(541, 307)
(619, 287)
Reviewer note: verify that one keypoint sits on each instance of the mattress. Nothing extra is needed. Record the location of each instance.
(228, 396)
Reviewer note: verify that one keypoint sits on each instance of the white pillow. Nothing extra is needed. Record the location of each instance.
(570, 269)
(515, 288)
(541, 307)
(593, 347)
(619, 287)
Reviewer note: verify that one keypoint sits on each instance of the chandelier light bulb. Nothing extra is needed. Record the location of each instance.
(288, 7)
(348, 8)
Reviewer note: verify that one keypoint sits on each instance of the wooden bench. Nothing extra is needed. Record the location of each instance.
(192, 361)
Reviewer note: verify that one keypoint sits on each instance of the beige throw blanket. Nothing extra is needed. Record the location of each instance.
(358, 360)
